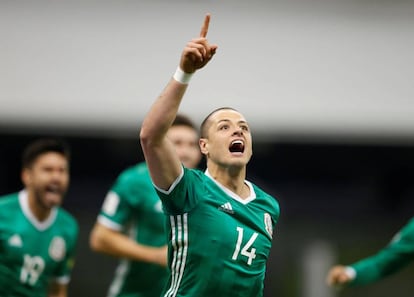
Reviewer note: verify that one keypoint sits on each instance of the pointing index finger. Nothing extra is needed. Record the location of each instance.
(204, 28)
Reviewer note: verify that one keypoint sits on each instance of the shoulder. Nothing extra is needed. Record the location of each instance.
(9, 204)
(138, 173)
(194, 178)
(9, 199)
(190, 179)
(262, 194)
(195, 173)
(268, 200)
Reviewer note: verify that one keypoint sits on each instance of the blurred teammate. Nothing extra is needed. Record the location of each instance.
(396, 255)
(131, 224)
(220, 224)
(38, 237)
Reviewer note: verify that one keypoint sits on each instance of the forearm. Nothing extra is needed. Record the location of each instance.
(376, 267)
(162, 113)
(123, 247)
(159, 153)
(118, 245)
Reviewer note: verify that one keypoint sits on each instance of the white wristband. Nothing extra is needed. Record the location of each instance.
(350, 272)
(181, 76)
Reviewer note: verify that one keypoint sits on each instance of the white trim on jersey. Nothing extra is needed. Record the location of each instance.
(119, 280)
(179, 241)
(173, 185)
(39, 225)
(109, 223)
(233, 195)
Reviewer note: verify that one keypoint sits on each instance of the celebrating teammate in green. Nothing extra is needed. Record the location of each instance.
(37, 237)
(131, 223)
(396, 255)
(220, 224)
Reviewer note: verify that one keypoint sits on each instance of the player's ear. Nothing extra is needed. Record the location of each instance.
(203, 143)
(25, 176)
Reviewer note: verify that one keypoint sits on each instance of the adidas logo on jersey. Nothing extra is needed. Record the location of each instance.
(226, 207)
(16, 241)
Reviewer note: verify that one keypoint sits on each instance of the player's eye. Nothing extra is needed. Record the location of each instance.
(244, 128)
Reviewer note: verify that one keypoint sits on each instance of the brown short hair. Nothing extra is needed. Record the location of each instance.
(203, 127)
(43, 146)
(183, 120)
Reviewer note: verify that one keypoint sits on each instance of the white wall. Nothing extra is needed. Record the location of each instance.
(305, 68)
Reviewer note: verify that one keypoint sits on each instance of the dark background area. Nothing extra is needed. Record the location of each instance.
(351, 197)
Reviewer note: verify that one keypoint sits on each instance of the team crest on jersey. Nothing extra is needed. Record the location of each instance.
(57, 248)
(268, 224)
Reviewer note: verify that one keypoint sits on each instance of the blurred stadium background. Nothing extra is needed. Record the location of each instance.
(326, 85)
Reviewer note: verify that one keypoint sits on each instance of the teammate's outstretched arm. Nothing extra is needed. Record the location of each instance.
(114, 243)
(392, 258)
(159, 153)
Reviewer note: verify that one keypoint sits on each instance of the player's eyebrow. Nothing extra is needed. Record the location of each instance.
(227, 120)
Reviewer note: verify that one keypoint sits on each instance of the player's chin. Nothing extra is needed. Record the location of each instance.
(52, 200)
(241, 158)
(238, 162)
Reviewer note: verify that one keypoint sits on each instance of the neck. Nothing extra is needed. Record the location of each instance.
(231, 178)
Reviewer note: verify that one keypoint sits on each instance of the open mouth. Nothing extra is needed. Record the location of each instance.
(237, 146)
(54, 189)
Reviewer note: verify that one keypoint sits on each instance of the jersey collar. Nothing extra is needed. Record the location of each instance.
(40, 225)
(233, 195)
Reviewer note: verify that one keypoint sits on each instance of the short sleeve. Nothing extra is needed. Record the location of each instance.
(184, 196)
(124, 198)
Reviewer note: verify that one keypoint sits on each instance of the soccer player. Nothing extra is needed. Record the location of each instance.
(220, 224)
(396, 255)
(37, 236)
(131, 224)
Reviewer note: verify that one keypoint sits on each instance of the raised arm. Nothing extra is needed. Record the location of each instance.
(159, 153)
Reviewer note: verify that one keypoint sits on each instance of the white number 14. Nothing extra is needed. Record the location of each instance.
(245, 250)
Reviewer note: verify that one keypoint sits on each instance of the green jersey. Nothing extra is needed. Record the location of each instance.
(393, 257)
(33, 253)
(133, 207)
(218, 242)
